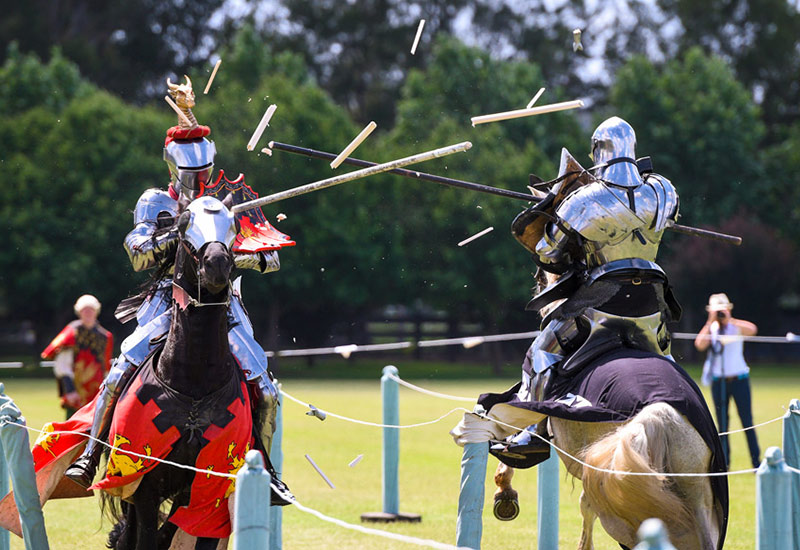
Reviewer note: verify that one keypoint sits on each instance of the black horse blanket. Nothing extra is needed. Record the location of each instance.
(615, 387)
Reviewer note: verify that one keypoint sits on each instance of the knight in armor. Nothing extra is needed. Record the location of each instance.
(152, 244)
(594, 237)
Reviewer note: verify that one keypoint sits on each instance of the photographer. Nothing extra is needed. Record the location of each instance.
(726, 369)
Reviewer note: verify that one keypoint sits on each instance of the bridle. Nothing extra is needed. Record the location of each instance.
(180, 294)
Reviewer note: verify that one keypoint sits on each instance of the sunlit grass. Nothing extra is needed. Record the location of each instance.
(429, 467)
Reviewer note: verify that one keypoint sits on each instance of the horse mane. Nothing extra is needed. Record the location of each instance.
(640, 445)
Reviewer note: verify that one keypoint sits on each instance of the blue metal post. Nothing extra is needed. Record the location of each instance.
(469, 527)
(773, 503)
(653, 536)
(391, 441)
(276, 457)
(251, 509)
(548, 503)
(791, 449)
(17, 450)
(5, 542)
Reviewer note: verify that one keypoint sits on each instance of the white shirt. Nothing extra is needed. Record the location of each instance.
(725, 355)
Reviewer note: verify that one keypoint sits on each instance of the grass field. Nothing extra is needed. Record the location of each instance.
(429, 467)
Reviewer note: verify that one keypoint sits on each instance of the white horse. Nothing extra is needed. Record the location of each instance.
(657, 440)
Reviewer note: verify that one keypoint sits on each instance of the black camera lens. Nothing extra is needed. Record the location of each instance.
(720, 315)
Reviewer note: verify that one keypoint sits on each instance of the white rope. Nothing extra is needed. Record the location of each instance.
(753, 427)
(470, 399)
(616, 472)
(291, 498)
(790, 338)
(411, 386)
(795, 470)
(127, 452)
(472, 341)
(374, 424)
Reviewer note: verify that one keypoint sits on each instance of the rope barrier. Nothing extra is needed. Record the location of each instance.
(411, 386)
(618, 472)
(369, 531)
(468, 342)
(364, 422)
(752, 427)
(518, 429)
(286, 496)
(126, 451)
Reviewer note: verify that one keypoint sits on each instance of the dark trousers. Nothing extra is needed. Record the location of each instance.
(739, 388)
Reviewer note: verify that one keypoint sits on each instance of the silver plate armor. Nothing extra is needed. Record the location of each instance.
(617, 222)
(614, 139)
(144, 250)
(216, 225)
(614, 223)
(190, 164)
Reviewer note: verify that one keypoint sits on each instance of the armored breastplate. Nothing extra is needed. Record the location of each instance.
(616, 223)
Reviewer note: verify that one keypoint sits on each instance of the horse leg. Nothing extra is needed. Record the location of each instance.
(126, 539)
(506, 501)
(146, 503)
(589, 517)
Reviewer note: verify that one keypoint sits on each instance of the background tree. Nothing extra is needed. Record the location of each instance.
(74, 163)
(758, 38)
(700, 126)
(124, 47)
(488, 280)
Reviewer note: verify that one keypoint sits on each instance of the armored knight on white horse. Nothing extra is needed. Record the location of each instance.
(603, 354)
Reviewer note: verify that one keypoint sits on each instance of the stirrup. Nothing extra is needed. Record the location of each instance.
(521, 451)
(82, 471)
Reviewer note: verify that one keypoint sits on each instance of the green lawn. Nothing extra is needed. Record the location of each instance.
(429, 466)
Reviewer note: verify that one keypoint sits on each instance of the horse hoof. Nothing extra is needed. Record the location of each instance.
(505, 508)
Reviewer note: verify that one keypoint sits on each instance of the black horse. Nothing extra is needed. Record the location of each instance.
(193, 383)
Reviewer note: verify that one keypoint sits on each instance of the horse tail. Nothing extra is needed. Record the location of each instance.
(641, 445)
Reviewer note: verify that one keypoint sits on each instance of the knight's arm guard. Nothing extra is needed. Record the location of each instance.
(263, 262)
(552, 247)
(144, 248)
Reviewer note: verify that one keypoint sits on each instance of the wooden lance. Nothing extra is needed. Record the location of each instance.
(683, 229)
(357, 174)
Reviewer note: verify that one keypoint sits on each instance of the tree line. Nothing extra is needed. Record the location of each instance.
(76, 155)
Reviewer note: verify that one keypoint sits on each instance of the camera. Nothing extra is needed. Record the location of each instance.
(721, 315)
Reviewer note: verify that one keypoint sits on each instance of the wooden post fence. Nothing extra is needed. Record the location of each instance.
(791, 450)
(773, 503)
(15, 446)
(251, 509)
(547, 499)
(276, 457)
(390, 396)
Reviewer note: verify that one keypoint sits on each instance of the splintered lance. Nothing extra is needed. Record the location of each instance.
(350, 176)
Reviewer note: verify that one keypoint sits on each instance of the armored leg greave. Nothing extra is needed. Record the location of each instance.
(267, 410)
(118, 376)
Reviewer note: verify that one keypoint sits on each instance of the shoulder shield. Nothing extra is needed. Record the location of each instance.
(528, 226)
(152, 203)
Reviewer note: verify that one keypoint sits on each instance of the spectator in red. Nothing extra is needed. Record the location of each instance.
(82, 355)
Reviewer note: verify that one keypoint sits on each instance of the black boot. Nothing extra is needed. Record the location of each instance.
(523, 450)
(82, 471)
